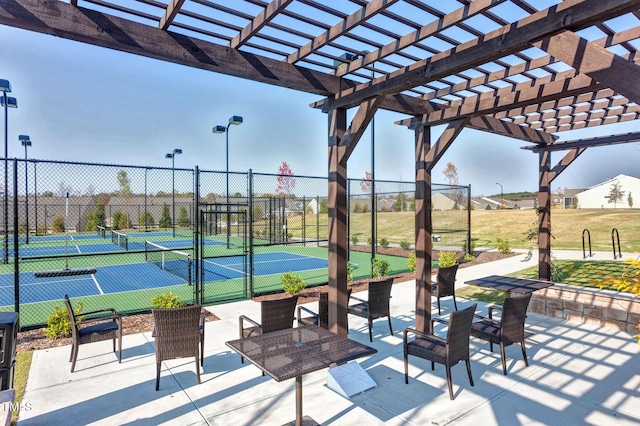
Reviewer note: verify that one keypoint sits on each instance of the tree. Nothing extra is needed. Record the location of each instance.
(324, 206)
(125, 185)
(451, 176)
(58, 224)
(96, 216)
(615, 193)
(366, 182)
(286, 181)
(401, 202)
(165, 219)
(183, 218)
(146, 219)
(630, 200)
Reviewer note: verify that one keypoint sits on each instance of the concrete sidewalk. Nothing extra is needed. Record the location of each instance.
(577, 374)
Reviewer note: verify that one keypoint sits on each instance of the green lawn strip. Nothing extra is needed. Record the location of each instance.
(20, 376)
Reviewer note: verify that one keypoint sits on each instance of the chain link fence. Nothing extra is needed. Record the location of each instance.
(119, 235)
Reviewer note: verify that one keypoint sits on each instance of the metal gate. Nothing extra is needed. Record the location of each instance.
(223, 266)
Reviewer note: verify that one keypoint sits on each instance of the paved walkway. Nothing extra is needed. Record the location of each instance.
(577, 374)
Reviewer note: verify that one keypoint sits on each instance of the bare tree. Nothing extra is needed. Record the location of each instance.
(615, 193)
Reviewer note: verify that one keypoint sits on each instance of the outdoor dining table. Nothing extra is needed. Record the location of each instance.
(510, 284)
(294, 352)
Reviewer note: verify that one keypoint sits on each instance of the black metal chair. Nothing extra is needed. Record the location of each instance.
(445, 284)
(449, 351)
(95, 326)
(506, 331)
(177, 335)
(376, 305)
(321, 318)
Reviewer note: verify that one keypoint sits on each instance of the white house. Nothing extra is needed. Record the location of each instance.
(598, 196)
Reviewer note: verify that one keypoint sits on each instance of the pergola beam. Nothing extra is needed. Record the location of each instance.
(170, 14)
(508, 129)
(596, 62)
(588, 142)
(494, 45)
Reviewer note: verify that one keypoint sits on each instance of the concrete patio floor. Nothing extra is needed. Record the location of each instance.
(577, 374)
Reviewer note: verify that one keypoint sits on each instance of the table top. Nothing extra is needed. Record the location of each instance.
(517, 285)
(293, 352)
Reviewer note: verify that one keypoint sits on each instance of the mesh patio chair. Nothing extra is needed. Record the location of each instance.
(177, 334)
(95, 326)
(445, 284)
(449, 351)
(320, 319)
(376, 305)
(506, 331)
(274, 315)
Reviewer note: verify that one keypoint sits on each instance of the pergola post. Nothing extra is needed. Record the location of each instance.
(337, 221)
(424, 228)
(544, 216)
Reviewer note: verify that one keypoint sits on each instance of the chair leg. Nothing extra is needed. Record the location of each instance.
(433, 366)
(202, 349)
(197, 368)
(449, 382)
(455, 305)
(504, 358)
(469, 371)
(74, 356)
(370, 326)
(390, 328)
(120, 347)
(157, 375)
(439, 313)
(406, 368)
(71, 353)
(524, 354)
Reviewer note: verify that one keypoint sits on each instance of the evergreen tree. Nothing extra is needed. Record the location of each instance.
(165, 219)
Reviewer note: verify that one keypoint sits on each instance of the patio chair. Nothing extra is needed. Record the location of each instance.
(177, 333)
(445, 284)
(320, 319)
(506, 331)
(274, 315)
(376, 305)
(95, 326)
(449, 351)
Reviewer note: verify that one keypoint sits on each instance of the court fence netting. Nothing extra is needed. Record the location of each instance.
(112, 235)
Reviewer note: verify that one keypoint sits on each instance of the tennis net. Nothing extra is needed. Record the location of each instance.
(120, 239)
(101, 230)
(175, 262)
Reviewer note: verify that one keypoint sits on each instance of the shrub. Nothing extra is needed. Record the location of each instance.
(503, 246)
(405, 245)
(349, 273)
(354, 239)
(379, 267)
(167, 300)
(58, 322)
(384, 242)
(447, 258)
(292, 283)
(471, 249)
(369, 241)
(58, 224)
(411, 262)
(468, 257)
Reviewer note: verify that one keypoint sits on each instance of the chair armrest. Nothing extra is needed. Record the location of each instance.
(492, 308)
(244, 318)
(421, 334)
(309, 311)
(359, 300)
(117, 318)
(111, 311)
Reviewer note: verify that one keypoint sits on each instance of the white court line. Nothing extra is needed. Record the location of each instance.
(93, 277)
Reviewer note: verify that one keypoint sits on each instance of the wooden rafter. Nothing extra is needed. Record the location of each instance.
(169, 15)
(505, 128)
(271, 11)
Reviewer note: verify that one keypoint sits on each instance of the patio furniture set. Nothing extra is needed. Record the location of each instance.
(283, 352)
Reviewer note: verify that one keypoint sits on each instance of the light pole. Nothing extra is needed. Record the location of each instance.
(237, 120)
(501, 196)
(172, 155)
(7, 102)
(26, 142)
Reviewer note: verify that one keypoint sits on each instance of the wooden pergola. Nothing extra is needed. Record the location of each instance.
(507, 67)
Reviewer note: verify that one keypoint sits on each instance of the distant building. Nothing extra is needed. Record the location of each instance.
(597, 197)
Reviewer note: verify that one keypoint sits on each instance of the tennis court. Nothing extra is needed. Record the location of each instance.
(128, 277)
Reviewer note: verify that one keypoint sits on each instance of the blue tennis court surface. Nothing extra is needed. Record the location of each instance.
(139, 276)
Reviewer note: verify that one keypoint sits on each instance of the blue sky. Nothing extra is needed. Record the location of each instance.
(79, 102)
